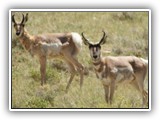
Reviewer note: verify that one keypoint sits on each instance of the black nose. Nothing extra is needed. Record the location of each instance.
(95, 56)
(17, 33)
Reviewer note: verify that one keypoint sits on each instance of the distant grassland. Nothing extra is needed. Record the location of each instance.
(127, 35)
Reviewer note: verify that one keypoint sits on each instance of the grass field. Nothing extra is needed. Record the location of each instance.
(127, 35)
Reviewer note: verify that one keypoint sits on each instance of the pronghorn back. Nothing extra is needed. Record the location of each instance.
(52, 45)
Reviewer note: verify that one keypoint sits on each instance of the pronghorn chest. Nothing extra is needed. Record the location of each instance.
(25, 43)
(101, 72)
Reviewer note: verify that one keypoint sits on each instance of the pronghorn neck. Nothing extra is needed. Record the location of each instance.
(26, 40)
(98, 65)
(25, 36)
(97, 62)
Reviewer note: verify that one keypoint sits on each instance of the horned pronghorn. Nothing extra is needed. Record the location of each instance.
(112, 70)
(51, 45)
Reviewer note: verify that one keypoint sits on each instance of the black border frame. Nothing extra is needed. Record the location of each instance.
(82, 109)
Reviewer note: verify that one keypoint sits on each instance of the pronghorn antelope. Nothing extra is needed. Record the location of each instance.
(63, 45)
(112, 70)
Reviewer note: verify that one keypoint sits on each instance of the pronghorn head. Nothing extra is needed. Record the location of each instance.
(19, 27)
(95, 48)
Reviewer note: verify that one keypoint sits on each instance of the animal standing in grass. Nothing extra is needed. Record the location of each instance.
(112, 70)
(51, 45)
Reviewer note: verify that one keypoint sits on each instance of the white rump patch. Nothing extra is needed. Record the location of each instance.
(145, 61)
(77, 40)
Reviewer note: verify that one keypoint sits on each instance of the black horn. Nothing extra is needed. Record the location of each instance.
(13, 20)
(22, 19)
(86, 41)
(26, 18)
(103, 39)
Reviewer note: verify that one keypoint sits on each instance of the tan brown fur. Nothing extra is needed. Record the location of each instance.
(51, 45)
(122, 69)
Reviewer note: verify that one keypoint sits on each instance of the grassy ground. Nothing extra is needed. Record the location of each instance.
(127, 35)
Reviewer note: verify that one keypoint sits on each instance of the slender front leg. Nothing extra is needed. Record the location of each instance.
(81, 78)
(72, 71)
(145, 97)
(106, 90)
(77, 66)
(42, 61)
(80, 69)
(70, 81)
(112, 89)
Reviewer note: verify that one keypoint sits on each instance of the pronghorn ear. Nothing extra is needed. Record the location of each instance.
(85, 41)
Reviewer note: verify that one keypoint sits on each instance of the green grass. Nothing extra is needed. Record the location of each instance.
(127, 35)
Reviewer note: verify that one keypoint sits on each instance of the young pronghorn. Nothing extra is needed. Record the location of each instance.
(112, 70)
(63, 45)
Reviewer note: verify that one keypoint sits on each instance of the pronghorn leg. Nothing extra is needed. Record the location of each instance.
(81, 77)
(42, 61)
(74, 60)
(140, 87)
(72, 71)
(145, 97)
(106, 90)
(80, 70)
(112, 89)
(70, 81)
(76, 65)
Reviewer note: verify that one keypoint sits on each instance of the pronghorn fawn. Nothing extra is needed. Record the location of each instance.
(113, 70)
(62, 45)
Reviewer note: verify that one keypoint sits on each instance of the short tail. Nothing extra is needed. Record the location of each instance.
(144, 61)
(77, 40)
